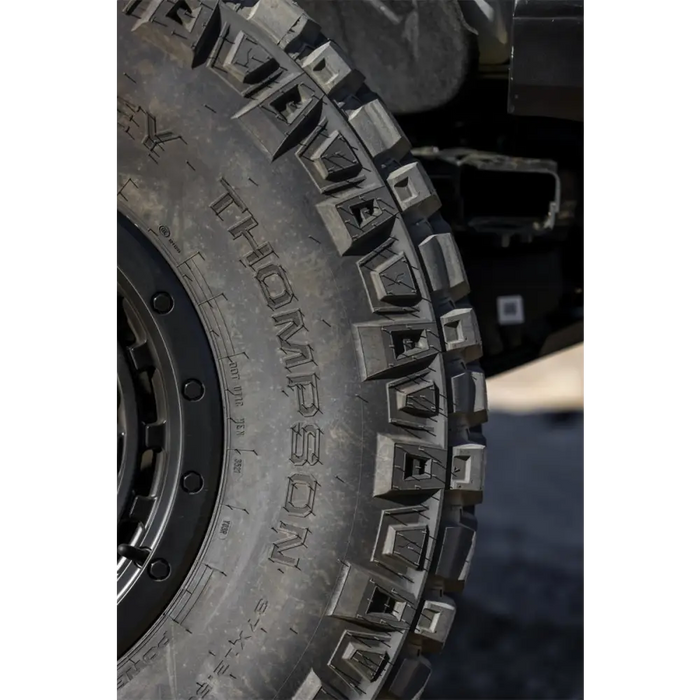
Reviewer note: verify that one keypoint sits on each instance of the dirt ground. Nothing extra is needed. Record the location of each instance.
(519, 629)
(554, 383)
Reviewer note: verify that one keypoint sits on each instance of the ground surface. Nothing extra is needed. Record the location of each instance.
(519, 630)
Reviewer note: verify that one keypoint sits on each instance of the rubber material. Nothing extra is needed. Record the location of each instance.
(416, 55)
(283, 194)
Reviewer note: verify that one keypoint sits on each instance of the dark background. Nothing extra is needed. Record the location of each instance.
(519, 626)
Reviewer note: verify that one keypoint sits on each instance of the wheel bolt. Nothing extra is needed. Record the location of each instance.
(136, 554)
(193, 390)
(162, 302)
(159, 570)
(192, 482)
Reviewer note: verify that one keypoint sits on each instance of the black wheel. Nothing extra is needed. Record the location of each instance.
(299, 452)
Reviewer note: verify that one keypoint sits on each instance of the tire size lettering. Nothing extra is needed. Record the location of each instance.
(135, 664)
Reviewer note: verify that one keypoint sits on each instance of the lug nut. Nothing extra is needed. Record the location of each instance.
(159, 570)
(192, 482)
(162, 302)
(136, 554)
(193, 390)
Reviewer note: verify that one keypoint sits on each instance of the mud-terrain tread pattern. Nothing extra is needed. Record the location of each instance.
(452, 466)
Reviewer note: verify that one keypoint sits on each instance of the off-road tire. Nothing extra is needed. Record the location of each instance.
(285, 199)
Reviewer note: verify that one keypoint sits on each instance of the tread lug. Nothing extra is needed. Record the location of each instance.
(371, 599)
(330, 68)
(185, 29)
(414, 191)
(469, 394)
(454, 554)
(461, 332)
(409, 678)
(391, 349)
(281, 119)
(288, 25)
(358, 218)
(313, 688)
(444, 266)
(408, 467)
(435, 622)
(468, 472)
(379, 131)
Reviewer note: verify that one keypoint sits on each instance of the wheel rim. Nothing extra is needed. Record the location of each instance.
(169, 434)
(127, 432)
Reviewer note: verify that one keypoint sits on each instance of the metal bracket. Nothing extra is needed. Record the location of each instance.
(455, 173)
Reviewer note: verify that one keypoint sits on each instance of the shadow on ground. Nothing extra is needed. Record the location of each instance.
(519, 629)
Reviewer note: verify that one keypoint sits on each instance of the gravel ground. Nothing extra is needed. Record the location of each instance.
(519, 629)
